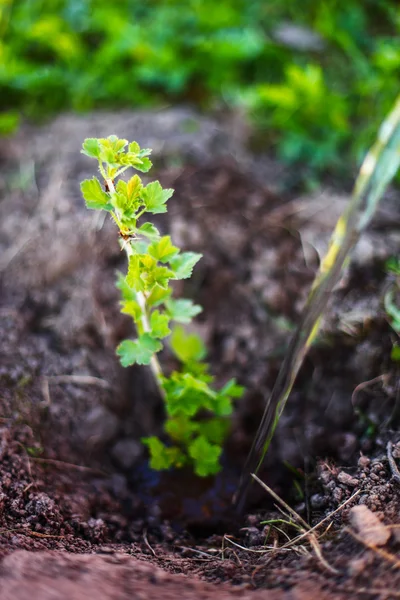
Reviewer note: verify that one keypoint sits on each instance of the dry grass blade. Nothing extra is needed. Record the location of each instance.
(32, 533)
(378, 169)
(67, 465)
(324, 520)
(303, 525)
(275, 496)
(263, 551)
(79, 380)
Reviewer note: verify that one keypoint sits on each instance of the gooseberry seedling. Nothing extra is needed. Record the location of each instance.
(197, 414)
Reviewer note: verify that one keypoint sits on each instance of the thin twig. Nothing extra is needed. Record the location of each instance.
(146, 541)
(63, 464)
(312, 538)
(365, 384)
(30, 532)
(290, 510)
(79, 380)
(209, 556)
(263, 551)
(306, 533)
(45, 391)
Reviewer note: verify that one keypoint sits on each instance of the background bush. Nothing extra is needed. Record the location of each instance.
(316, 93)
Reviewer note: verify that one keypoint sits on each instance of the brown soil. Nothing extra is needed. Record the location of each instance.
(81, 514)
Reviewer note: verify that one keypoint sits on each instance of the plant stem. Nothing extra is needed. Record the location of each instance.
(141, 299)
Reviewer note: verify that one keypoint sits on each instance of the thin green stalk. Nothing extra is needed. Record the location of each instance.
(154, 363)
(377, 170)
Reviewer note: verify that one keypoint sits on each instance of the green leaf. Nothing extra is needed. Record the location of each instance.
(205, 456)
(95, 197)
(181, 428)
(133, 309)
(133, 277)
(392, 309)
(187, 347)
(186, 394)
(130, 189)
(158, 295)
(393, 265)
(144, 166)
(154, 197)
(149, 230)
(163, 250)
(232, 389)
(163, 457)
(134, 148)
(182, 310)
(214, 430)
(139, 246)
(143, 273)
(126, 291)
(159, 325)
(159, 276)
(160, 459)
(91, 147)
(138, 351)
(114, 143)
(107, 155)
(222, 405)
(183, 264)
(395, 353)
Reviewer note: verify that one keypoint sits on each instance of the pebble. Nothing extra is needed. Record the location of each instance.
(127, 453)
(347, 479)
(364, 462)
(100, 426)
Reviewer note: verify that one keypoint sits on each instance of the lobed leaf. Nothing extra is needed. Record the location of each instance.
(157, 296)
(187, 347)
(154, 197)
(186, 395)
(182, 310)
(91, 148)
(94, 196)
(232, 389)
(138, 351)
(159, 325)
(133, 309)
(133, 277)
(163, 457)
(183, 264)
(126, 291)
(205, 456)
(144, 165)
(163, 250)
(149, 230)
(159, 276)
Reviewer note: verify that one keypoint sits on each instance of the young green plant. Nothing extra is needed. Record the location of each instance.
(197, 413)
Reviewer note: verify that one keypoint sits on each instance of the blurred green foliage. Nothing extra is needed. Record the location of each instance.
(318, 100)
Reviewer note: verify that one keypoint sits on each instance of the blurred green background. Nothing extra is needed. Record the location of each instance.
(315, 78)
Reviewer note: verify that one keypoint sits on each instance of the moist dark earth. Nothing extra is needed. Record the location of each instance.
(81, 513)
